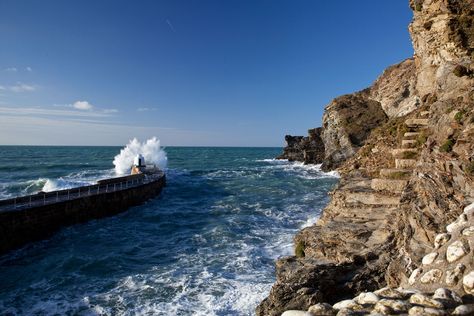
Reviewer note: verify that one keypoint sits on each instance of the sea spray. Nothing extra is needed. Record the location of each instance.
(151, 151)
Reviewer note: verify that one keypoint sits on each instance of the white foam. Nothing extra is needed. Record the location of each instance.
(151, 151)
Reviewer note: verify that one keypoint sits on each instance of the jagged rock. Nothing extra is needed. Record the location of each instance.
(308, 149)
(358, 245)
(347, 122)
(395, 89)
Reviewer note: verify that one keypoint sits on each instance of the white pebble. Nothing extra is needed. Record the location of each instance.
(429, 258)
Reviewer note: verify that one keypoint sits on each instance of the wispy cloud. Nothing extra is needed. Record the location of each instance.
(22, 87)
(110, 111)
(11, 69)
(170, 25)
(82, 105)
(49, 112)
(145, 109)
(19, 87)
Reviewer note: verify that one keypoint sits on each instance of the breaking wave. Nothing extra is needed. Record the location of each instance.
(151, 151)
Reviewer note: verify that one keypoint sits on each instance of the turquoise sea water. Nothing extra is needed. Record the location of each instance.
(205, 246)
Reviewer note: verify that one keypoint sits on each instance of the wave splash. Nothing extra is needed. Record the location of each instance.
(151, 151)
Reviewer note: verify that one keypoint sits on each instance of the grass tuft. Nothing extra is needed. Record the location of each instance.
(299, 249)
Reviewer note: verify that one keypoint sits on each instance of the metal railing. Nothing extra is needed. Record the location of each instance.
(44, 198)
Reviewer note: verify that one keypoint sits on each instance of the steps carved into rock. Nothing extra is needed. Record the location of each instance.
(417, 122)
(372, 198)
(395, 173)
(390, 185)
(404, 152)
(409, 143)
(405, 163)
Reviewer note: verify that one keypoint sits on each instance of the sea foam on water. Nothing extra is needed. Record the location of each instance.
(151, 151)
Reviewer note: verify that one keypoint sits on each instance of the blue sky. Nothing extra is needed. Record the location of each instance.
(208, 73)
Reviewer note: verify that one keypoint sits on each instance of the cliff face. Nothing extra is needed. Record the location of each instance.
(349, 119)
(347, 122)
(396, 217)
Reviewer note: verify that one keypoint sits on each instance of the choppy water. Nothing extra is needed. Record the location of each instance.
(206, 246)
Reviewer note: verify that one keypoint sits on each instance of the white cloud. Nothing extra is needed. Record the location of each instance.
(22, 87)
(11, 69)
(29, 69)
(82, 105)
(3, 88)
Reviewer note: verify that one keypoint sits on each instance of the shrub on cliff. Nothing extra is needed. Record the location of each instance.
(447, 146)
(299, 249)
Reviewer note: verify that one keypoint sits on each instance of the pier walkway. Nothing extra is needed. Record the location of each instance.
(46, 198)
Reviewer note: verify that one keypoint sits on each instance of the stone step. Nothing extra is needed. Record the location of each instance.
(405, 163)
(416, 122)
(391, 185)
(425, 113)
(409, 143)
(372, 198)
(395, 173)
(405, 153)
(411, 135)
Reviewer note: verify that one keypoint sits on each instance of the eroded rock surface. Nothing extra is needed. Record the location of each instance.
(398, 217)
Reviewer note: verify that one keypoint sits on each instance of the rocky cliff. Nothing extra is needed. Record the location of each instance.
(397, 237)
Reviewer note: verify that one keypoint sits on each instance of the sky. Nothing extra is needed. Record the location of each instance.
(191, 73)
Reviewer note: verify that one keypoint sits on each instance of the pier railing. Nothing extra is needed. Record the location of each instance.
(44, 198)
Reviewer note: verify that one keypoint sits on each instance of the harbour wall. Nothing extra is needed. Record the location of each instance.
(35, 222)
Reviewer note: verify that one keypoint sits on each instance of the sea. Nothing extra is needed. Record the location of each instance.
(206, 246)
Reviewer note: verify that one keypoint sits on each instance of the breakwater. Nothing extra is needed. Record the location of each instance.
(34, 217)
